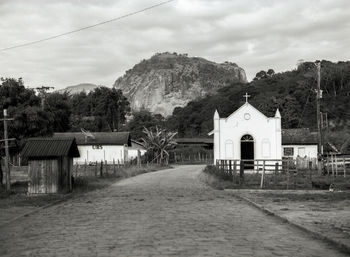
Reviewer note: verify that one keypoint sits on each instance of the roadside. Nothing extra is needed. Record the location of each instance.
(323, 213)
(17, 203)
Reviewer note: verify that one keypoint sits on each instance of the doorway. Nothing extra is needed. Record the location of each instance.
(247, 151)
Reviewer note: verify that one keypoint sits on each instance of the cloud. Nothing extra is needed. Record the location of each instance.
(254, 34)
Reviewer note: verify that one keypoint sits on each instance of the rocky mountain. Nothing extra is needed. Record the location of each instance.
(76, 89)
(169, 80)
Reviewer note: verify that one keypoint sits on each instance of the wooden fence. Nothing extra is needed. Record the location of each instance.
(191, 158)
(337, 165)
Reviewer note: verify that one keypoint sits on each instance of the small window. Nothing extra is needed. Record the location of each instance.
(288, 151)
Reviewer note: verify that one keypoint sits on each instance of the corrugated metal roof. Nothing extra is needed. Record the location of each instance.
(301, 136)
(102, 138)
(50, 147)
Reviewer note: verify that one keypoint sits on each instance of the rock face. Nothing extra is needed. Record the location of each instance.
(166, 81)
(76, 89)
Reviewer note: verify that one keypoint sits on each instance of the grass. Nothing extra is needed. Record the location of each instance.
(18, 197)
(300, 181)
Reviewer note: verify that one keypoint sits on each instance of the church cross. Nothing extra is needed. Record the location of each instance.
(246, 97)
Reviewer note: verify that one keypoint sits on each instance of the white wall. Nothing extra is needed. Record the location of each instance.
(106, 153)
(265, 131)
(302, 150)
(132, 153)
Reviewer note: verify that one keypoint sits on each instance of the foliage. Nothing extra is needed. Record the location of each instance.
(293, 92)
(103, 109)
(159, 141)
(60, 107)
(143, 119)
(24, 106)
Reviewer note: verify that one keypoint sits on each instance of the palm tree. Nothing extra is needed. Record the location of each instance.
(159, 142)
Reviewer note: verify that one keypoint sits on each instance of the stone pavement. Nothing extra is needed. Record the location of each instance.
(164, 213)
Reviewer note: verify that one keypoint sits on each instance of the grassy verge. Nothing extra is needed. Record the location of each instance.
(18, 197)
(303, 180)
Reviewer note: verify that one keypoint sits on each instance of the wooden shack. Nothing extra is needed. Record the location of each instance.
(50, 164)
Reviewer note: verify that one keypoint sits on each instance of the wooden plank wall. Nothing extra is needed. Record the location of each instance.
(43, 176)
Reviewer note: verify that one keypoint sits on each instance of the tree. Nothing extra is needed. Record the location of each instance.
(59, 105)
(143, 119)
(110, 104)
(159, 141)
(24, 106)
(103, 109)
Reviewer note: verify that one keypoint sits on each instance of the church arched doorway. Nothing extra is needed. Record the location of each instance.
(247, 151)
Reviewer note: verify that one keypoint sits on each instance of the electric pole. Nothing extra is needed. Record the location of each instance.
(318, 109)
(42, 93)
(7, 154)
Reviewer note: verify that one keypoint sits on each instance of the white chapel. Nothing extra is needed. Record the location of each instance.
(247, 134)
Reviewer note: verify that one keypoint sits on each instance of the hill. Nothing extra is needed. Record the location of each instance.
(169, 80)
(76, 89)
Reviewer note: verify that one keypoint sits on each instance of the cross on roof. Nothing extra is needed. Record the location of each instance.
(246, 97)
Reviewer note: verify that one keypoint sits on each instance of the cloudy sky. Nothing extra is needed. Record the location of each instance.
(255, 34)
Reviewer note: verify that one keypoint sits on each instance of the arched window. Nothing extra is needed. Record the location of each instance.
(247, 138)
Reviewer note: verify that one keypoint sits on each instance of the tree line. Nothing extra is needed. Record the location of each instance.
(103, 109)
(107, 109)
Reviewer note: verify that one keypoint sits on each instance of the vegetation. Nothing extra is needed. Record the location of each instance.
(293, 92)
(159, 142)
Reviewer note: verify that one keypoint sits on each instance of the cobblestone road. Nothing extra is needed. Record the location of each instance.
(165, 213)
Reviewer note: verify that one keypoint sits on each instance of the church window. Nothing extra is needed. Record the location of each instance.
(247, 138)
(229, 149)
(288, 151)
(266, 148)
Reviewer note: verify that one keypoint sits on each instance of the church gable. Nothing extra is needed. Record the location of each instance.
(246, 112)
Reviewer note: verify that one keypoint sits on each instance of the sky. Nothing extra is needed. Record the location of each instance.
(255, 34)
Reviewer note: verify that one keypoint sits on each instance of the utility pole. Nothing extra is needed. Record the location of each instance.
(42, 93)
(7, 154)
(318, 109)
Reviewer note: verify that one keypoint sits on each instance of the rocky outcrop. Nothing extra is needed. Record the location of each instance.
(166, 81)
(76, 89)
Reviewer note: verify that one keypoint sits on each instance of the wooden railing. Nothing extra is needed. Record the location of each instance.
(337, 165)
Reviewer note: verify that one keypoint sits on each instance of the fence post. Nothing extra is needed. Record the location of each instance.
(101, 169)
(274, 175)
(139, 158)
(332, 161)
(234, 170)
(344, 167)
(336, 166)
(327, 165)
(114, 171)
(106, 167)
(241, 173)
(96, 169)
(262, 176)
(85, 168)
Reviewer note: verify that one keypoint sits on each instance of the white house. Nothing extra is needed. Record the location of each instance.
(100, 146)
(248, 134)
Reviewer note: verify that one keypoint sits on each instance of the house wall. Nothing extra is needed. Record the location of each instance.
(93, 153)
(229, 131)
(301, 151)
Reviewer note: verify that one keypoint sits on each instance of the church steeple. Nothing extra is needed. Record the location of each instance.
(277, 114)
(216, 115)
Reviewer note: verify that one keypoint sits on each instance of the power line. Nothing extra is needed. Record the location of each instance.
(84, 28)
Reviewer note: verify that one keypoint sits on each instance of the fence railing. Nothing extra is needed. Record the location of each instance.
(337, 165)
